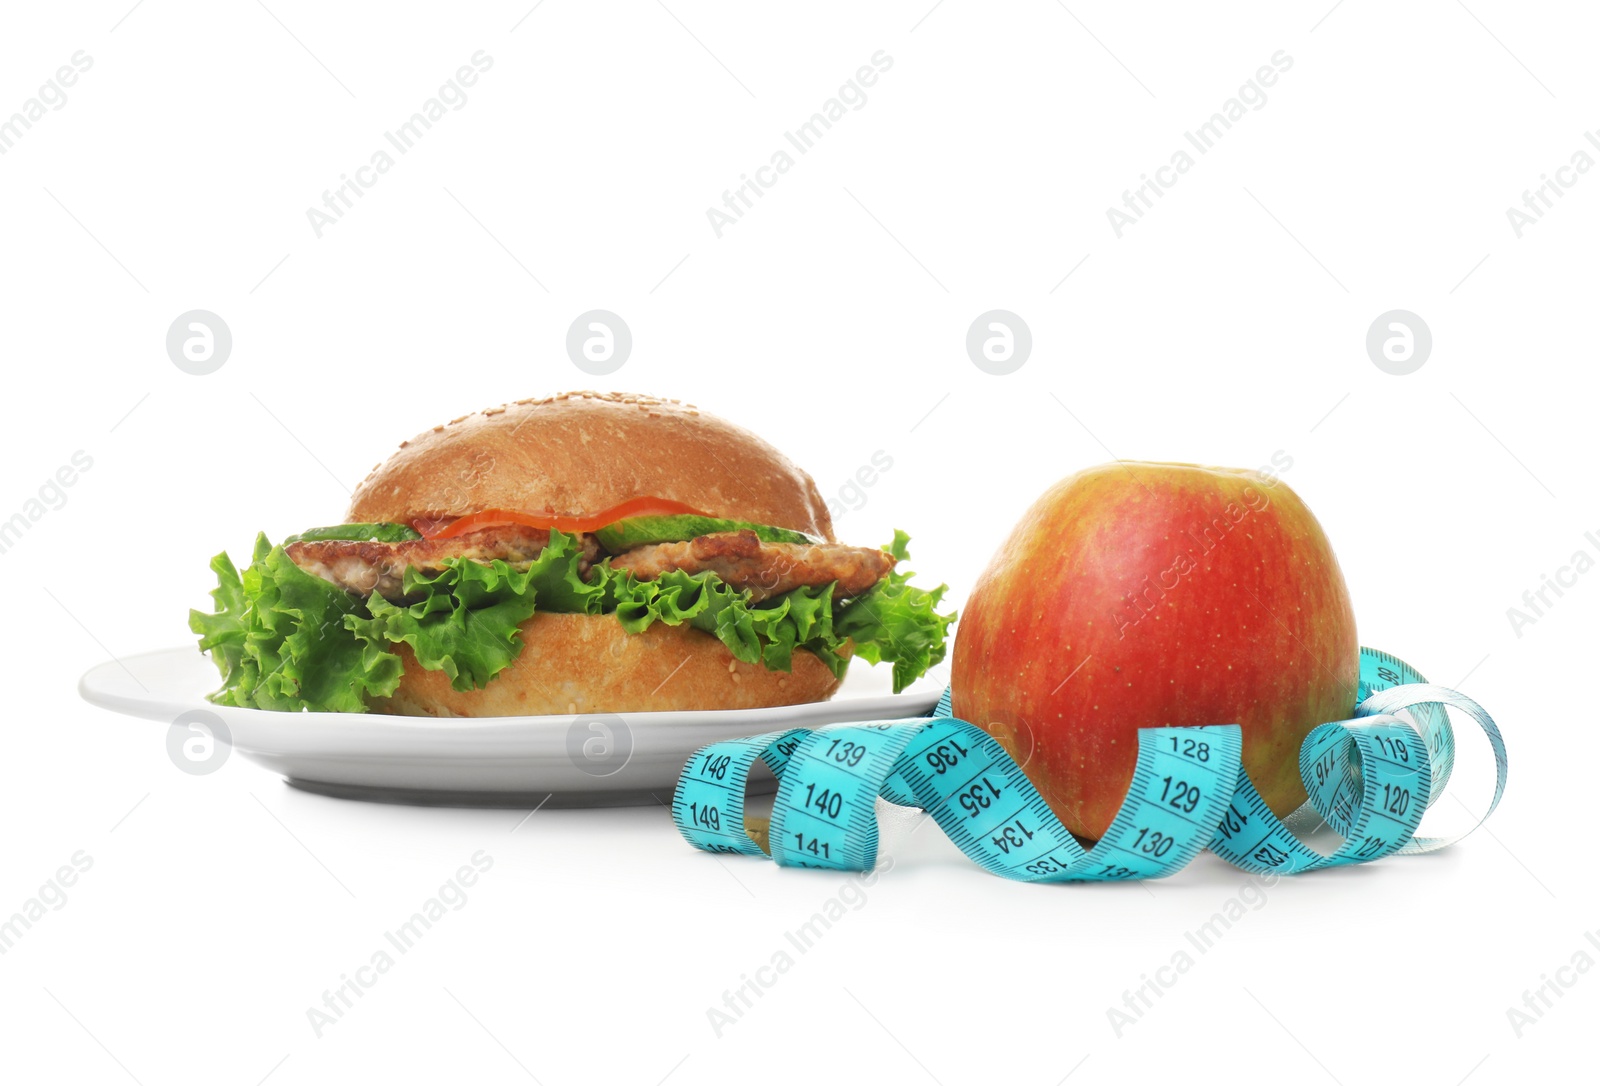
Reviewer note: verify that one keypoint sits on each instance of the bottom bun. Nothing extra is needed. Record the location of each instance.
(572, 664)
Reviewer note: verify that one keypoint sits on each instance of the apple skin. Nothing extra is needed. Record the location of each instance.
(1137, 595)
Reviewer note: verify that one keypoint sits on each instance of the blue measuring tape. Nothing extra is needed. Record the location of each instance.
(1370, 779)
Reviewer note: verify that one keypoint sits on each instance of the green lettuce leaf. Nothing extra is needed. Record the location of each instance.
(466, 617)
(284, 639)
(279, 639)
(465, 624)
(896, 622)
(767, 632)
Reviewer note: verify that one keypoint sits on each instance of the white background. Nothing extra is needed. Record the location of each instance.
(1226, 325)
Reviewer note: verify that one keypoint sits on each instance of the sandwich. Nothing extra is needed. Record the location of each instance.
(581, 553)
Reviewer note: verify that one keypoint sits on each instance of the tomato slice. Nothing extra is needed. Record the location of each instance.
(436, 528)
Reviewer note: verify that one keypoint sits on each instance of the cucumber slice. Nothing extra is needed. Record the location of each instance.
(638, 531)
(377, 533)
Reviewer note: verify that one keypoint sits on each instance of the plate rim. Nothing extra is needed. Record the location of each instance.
(874, 706)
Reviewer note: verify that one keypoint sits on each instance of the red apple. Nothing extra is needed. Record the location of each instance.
(1137, 595)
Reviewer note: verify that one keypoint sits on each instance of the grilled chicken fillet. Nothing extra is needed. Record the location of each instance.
(739, 558)
(766, 569)
(364, 567)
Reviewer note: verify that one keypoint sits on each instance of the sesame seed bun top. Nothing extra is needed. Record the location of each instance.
(584, 452)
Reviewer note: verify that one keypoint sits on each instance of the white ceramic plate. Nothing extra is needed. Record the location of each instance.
(514, 761)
